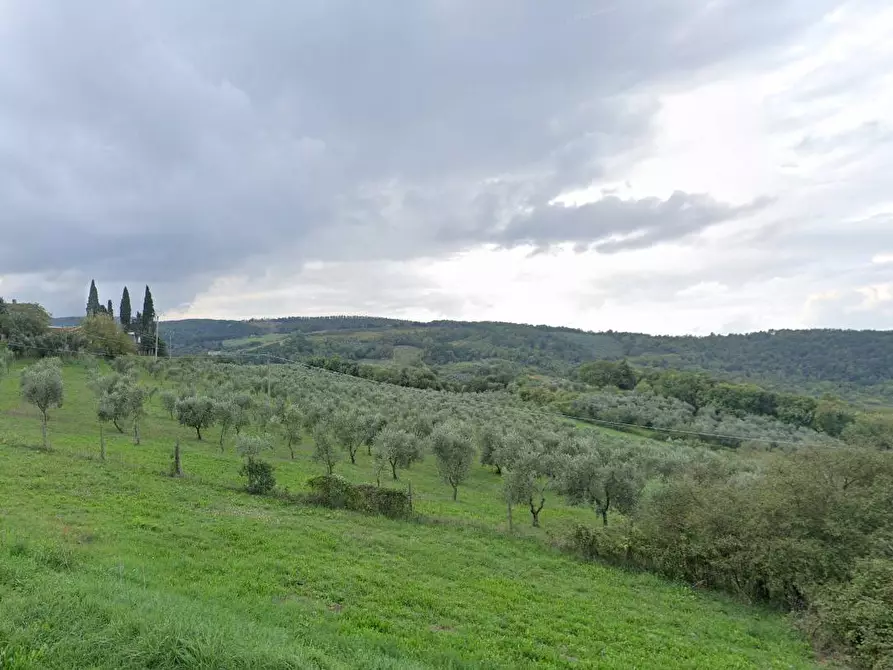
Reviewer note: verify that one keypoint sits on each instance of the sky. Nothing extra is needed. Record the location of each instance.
(660, 166)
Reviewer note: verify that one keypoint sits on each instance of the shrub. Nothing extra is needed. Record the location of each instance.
(859, 614)
(610, 544)
(336, 492)
(260, 476)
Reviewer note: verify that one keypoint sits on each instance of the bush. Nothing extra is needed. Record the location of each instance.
(260, 476)
(336, 492)
(610, 544)
(811, 534)
(859, 614)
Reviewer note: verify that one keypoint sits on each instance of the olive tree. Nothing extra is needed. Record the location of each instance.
(136, 406)
(41, 385)
(196, 412)
(169, 402)
(396, 448)
(225, 413)
(454, 452)
(111, 403)
(263, 415)
(530, 475)
(292, 427)
(242, 418)
(373, 424)
(113, 398)
(325, 450)
(601, 481)
(491, 442)
(349, 430)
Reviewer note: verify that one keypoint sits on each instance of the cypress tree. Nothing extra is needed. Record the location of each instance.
(124, 309)
(148, 312)
(110, 309)
(93, 306)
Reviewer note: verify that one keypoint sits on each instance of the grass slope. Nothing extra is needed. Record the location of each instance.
(114, 565)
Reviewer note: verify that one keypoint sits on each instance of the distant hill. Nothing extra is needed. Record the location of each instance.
(66, 321)
(856, 364)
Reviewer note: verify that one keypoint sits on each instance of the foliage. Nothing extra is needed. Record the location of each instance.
(125, 313)
(871, 430)
(325, 450)
(349, 430)
(490, 443)
(119, 397)
(253, 445)
(608, 373)
(811, 530)
(398, 448)
(226, 414)
(196, 412)
(25, 329)
(169, 402)
(454, 452)
(259, 474)
(105, 338)
(336, 492)
(832, 417)
(604, 480)
(94, 308)
(859, 612)
(531, 473)
(41, 385)
(675, 417)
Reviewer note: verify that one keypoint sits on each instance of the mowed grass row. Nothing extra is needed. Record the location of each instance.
(114, 565)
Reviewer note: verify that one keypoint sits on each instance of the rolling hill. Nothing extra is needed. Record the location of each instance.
(854, 364)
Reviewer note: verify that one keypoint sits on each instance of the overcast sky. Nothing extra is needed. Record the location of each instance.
(649, 165)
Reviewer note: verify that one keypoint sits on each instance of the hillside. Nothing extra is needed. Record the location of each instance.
(854, 364)
(116, 565)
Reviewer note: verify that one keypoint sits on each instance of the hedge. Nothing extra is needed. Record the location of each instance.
(336, 492)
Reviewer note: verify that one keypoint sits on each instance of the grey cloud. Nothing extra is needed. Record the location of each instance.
(639, 223)
(169, 141)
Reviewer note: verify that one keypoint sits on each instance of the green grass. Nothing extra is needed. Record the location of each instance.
(114, 565)
(254, 341)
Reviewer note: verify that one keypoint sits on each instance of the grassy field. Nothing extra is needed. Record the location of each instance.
(254, 341)
(115, 565)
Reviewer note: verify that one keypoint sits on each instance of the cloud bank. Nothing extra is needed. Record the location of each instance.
(261, 158)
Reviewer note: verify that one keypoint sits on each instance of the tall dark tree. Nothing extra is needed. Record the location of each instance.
(93, 306)
(110, 309)
(148, 313)
(124, 309)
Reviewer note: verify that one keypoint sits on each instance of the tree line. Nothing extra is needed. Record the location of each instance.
(706, 396)
(25, 329)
